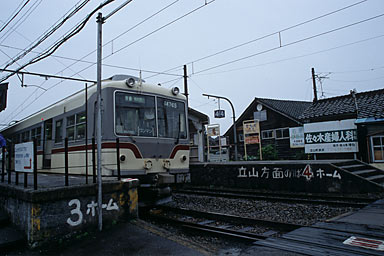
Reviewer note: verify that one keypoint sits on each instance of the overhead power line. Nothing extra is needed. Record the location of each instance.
(21, 20)
(305, 55)
(53, 48)
(14, 16)
(268, 35)
(289, 44)
(47, 35)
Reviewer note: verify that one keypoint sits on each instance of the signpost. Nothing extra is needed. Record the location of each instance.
(251, 132)
(213, 130)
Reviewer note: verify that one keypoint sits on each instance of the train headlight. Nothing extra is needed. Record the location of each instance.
(147, 164)
(175, 91)
(122, 158)
(130, 82)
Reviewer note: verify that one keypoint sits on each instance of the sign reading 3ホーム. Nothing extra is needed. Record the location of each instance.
(24, 157)
(331, 137)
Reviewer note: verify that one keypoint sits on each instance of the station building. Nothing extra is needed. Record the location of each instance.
(344, 127)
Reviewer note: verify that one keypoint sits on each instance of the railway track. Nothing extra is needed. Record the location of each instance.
(218, 224)
(356, 202)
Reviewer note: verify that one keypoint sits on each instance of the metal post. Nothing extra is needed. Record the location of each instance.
(93, 160)
(86, 133)
(35, 164)
(100, 21)
(9, 173)
(233, 118)
(25, 180)
(66, 160)
(3, 164)
(118, 158)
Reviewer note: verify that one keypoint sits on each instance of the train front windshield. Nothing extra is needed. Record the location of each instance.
(135, 115)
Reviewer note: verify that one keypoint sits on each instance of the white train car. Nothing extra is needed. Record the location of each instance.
(150, 121)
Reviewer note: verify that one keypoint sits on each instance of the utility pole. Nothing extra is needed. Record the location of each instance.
(100, 21)
(314, 85)
(186, 83)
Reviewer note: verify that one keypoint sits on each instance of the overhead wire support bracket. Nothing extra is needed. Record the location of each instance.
(45, 76)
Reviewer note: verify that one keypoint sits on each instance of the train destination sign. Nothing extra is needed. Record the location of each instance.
(24, 157)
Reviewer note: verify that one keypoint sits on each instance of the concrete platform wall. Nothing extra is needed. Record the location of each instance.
(290, 176)
(52, 214)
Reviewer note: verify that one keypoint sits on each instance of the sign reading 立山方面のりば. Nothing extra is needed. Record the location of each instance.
(331, 137)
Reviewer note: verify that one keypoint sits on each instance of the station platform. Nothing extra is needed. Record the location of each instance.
(355, 233)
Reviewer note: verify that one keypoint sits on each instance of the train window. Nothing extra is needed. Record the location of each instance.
(171, 117)
(59, 131)
(25, 136)
(76, 126)
(135, 115)
(36, 134)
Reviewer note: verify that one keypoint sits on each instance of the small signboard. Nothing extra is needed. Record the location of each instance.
(24, 157)
(253, 139)
(219, 113)
(213, 130)
(296, 137)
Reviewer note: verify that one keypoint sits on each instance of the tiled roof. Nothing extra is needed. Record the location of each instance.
(292, 109)
(369, 104)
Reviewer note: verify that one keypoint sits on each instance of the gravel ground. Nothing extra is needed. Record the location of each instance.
(304, 214)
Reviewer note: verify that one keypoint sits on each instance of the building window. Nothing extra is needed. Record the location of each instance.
(282, 133)
(59, 131)
(378, 148)
(36, 134)
(267, 134)
(76, 126)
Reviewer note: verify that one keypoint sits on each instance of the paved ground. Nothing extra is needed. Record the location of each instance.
(136, 238)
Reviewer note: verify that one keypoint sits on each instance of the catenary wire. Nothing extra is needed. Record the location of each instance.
(300, 56)
(51, 32)
(289, 44)
(268, 35)
(21, 20)
(14, 16)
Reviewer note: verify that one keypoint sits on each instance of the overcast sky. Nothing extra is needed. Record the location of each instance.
(231, 48)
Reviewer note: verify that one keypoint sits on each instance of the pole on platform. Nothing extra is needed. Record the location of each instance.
(100, 21)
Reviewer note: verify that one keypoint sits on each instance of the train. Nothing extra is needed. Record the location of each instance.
(150, 121)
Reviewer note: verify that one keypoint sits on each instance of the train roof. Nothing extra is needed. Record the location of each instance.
(76, 100)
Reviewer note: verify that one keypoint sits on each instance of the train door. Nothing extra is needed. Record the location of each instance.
(47, 144)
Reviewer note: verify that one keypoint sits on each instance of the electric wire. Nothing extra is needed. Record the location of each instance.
(300, 56)
(151, 16)
(268, 35)
(131, 28)
(21, 20)
(92, 62)
(53, 48)
(47, 35)
(289, 44)
(14, 16)
(151, 33)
